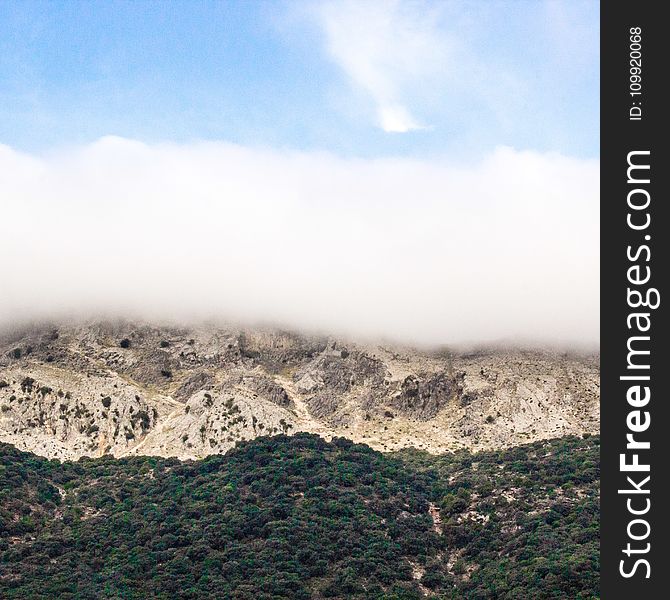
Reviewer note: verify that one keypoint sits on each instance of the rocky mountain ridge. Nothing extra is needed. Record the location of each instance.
(126, 388)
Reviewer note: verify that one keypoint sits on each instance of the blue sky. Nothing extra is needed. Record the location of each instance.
(351, 78)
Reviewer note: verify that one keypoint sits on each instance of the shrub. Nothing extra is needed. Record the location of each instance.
(27, 384)
(452, 504)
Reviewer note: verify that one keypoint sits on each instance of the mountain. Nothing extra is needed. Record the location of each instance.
(128, 388)
(298, 518)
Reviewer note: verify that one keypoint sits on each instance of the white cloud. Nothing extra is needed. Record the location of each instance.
(386, 48)
(396, 119)
(419, 250)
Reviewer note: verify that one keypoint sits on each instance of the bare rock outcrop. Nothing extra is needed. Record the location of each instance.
(71, 390)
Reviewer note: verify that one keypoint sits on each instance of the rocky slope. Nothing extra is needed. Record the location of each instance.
(131, 388)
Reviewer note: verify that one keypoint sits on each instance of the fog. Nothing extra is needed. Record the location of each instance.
(424, 251)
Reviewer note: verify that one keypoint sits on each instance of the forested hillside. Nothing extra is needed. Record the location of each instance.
(298, 517)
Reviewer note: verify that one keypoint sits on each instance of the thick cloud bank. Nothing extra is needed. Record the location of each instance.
(426, 251)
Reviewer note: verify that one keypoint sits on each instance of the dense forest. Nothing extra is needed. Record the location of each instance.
(298, 517)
